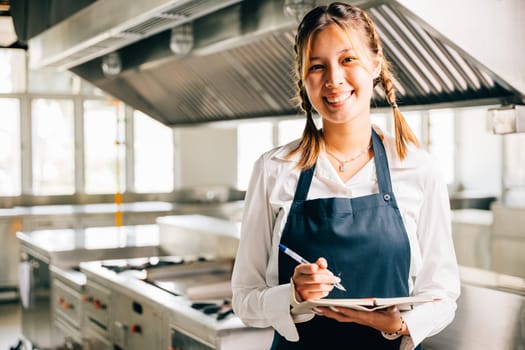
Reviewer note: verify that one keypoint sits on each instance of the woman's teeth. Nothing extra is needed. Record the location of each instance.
(338, 98)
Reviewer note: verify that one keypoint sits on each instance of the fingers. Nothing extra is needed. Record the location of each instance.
(314, 281)
(386, 320)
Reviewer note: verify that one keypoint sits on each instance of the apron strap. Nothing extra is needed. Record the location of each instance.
(384, 182)
(382, 172)
(304, 184)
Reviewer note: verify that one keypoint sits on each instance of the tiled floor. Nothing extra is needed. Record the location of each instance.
(10, 325)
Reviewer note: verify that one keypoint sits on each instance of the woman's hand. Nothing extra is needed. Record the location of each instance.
(386, 320)
(313, 281)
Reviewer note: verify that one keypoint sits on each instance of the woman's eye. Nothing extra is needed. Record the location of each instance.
(348, 59)
(315, 67)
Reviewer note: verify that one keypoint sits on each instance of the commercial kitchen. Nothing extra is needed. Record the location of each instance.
(129, 129)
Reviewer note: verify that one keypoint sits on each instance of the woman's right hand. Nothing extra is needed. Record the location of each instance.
(314, 281)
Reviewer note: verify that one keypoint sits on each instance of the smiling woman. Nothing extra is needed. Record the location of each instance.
(370, 211)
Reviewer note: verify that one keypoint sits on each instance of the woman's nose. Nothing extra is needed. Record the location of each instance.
(334, 77)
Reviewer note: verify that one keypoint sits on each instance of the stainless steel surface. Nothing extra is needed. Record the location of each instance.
(508, 119)
(485, 319)
(118, 23)
(198, 235)
(9, 258)
(67, 304)
(471, 233)
(35, 296)
(508, 240)
(65, 249)
(172, 312)
(242, 62)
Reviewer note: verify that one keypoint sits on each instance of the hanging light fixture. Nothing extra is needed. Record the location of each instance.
(298, 8)
(111, 65)
(181, 41)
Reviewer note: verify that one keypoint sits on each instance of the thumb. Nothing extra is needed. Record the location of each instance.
(322, 263)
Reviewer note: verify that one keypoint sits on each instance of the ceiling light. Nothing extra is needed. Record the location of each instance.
(7, 31)
(111, 65)
(181, 41)
(298, 8)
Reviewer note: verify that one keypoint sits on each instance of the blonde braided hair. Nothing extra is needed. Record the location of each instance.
(344, 16)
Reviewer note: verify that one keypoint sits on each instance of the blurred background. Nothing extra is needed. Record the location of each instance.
(118, 113)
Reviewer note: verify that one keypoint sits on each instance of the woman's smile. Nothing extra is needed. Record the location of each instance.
(339, 79)
(339, 98)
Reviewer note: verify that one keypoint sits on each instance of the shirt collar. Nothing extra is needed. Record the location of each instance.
(411, 160)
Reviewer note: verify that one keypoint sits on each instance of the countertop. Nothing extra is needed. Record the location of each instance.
(71, 246)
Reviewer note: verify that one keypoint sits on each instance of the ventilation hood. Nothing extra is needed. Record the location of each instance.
(241, 64)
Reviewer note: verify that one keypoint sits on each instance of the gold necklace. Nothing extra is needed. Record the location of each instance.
(342, 163)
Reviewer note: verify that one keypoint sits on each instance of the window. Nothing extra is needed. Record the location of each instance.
(414, 120)
(10, 147)
(104, 147)
(441, 141)
(253, 139)
(153, 152)
(13, 71)
(290, 130)
(53, 147)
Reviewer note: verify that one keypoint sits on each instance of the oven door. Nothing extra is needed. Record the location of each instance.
(34, 284)
(182, 341)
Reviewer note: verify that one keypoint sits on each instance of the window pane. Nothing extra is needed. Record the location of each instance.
(104, 147)
(12, 71)
(252, 140)
(53, 147)
(153, 151)
(290, 130)
(10, 147)
(441, 137)
(380, 120)
(414, 121)
(49, 81)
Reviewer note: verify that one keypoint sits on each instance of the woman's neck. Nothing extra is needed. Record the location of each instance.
(347, 139)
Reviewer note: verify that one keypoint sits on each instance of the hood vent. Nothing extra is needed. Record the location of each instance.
(108, 25)
(241, 64)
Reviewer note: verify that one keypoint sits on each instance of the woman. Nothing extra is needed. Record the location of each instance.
(370, 211)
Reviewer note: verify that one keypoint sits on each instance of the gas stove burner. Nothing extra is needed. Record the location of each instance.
(195, 279)
(139, 264)
(222, 310)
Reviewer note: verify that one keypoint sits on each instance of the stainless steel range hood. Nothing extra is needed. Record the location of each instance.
(241, 65)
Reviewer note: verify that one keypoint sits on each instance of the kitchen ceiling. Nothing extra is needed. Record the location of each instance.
(241, 64)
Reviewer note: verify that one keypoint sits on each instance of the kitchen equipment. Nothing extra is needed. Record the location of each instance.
(41, 249)
(149, 304)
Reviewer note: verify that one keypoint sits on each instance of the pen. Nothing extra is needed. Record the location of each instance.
(302, 260)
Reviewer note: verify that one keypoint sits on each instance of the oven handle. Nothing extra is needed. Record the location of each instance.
(26, 281)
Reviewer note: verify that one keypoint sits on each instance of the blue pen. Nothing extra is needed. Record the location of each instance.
(302, 260)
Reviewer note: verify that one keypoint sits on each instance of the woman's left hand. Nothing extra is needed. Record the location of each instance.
(386, 320)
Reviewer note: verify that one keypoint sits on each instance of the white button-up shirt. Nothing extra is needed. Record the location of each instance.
(423, 201)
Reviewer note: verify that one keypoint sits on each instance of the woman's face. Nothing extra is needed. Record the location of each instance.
(339, 79)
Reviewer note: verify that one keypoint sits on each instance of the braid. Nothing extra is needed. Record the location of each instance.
(347, 17)
(311, 141)
(404, 134)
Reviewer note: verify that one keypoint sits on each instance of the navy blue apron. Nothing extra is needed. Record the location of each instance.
(366, 245)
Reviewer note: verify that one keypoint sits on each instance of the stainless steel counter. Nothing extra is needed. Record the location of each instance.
(64, 216)
(66, 249)
(176, 314)
(485, 319)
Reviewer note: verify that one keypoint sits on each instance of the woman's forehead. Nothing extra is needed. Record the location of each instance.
(347, 38)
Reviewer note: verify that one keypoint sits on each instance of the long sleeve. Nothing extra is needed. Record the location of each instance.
(439, 274)
(255, 302)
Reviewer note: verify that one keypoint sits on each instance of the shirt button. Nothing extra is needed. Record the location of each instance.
(386, 197)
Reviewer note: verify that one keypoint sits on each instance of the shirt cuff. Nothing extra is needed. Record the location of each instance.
(298, 318)
(277, 308)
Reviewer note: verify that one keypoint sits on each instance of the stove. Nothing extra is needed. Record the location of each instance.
(169, 301)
